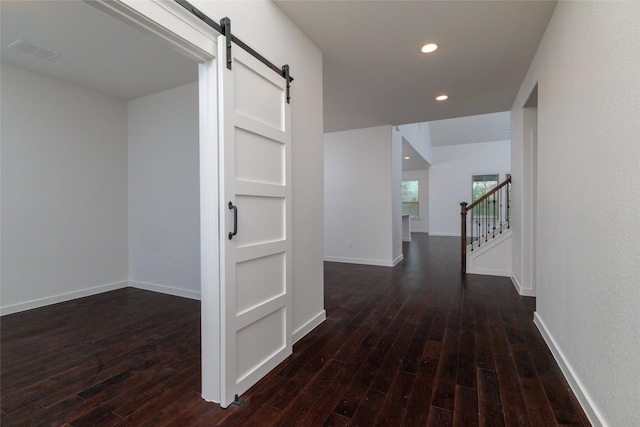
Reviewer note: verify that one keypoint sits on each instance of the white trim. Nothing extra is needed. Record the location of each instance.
(498, 267)
(55, 299)
(194, 39)
(525, 292)
(209, 231)
(169, 290)
(436, 233)
(362, 261)
(490, 272)
(314, 322)
(590, 409)
(167, 21)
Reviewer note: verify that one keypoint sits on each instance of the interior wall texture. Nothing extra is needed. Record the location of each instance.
(358, 196)
(164, 192)
(267, 29)
(64, 191)
(97, 260)
(450, 179)
(588, 73)
(396, 196)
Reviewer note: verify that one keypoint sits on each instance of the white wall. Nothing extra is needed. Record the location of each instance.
(358, 196)
(270, 32)
(396, 196)
(266, 28)
(450, 179)
(164, 192)
(588, 259)
(64, 191)
(421, 224)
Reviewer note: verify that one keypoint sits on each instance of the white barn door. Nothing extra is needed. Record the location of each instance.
(255, 221)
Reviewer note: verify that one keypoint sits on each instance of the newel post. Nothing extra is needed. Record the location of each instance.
(463, 236)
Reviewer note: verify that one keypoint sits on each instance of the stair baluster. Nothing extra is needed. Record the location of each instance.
(487, 215)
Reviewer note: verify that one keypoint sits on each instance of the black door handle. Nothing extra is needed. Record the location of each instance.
(235, 221)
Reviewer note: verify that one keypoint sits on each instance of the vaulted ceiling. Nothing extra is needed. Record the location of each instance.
(375, 74)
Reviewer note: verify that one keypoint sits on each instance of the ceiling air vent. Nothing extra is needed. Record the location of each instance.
(39, 52)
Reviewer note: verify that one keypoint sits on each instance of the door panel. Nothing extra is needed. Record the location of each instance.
(259, 159)
(261, 220)
(252, 84)
(269, 271)
(256, 262)
(258, 342)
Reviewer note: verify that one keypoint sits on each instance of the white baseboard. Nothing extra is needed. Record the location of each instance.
(436, 233)
(178, 292)
(309, 326)
(377, 262)
(583, 397)
(490, 272)
(525, 292)
(55, 299)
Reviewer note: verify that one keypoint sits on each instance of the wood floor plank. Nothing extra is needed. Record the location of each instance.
(413, 345)
(335, 420)
(540, 409)
(417, 411)
(396, 402)
(367, 413)
(169, 414)
(489, 400)
(465, 413)
(554, 384)
(355, 392)
(514, 406)
(321, 410)
(262, 393)
(485, 357)
(413, 356)
(392, 362)
(439, 417)
(445, 391)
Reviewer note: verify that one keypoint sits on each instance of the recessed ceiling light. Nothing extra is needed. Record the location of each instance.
(442, 97)
(428, 48)
(407, 157)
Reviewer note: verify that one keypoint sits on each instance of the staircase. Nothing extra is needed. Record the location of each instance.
(485, 240)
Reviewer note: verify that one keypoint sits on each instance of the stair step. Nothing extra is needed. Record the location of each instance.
(486, 239)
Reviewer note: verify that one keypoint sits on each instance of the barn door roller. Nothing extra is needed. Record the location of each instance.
(224, 27)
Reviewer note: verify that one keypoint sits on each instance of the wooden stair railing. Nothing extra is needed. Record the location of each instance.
(490, 214)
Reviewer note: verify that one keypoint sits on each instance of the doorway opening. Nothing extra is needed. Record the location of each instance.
(530, 187)
(117, 185)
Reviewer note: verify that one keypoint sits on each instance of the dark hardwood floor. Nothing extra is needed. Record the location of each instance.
(414, 345)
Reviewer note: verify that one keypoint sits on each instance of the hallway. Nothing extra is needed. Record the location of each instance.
(413, 345)
(419, 344)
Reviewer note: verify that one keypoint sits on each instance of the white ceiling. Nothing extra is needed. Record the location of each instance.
(468, 130)
(374, 73)
(460, 130)
(415, 160)
(97, 51)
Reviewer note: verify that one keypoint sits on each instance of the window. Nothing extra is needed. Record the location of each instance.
(410, 199)
(481, 185)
